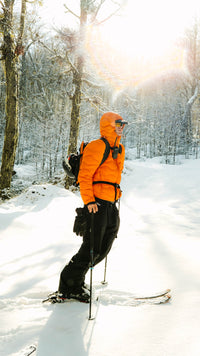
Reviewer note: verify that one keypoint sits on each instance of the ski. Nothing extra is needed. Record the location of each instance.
(115, 297)
(155, 295)
(166, 298)
(121, 298)
(29, 350)
(153, 300)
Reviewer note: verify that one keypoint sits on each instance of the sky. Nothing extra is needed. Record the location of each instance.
(143, 37)
(144, 19)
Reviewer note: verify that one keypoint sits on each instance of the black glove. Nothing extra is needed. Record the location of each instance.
(81, 222)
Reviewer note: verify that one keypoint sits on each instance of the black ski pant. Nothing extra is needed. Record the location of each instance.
(106, 226)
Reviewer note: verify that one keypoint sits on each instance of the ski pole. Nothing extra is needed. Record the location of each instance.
(105, 270)
(91, 262)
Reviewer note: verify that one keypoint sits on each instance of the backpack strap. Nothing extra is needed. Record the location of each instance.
(82, 147)
(105, 156)
(107, 150)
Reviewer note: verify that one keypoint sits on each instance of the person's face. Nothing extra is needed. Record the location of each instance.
(119, 129)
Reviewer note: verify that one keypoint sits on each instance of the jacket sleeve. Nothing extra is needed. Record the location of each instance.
(92, 157)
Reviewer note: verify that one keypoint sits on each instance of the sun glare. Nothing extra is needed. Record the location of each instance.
(137, 45)
(141, 44)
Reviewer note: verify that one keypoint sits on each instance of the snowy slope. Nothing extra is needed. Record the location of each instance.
(158, 247)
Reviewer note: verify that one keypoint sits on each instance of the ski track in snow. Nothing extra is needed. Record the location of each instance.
(158, 247)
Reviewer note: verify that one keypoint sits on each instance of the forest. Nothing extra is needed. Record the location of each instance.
(52, 97)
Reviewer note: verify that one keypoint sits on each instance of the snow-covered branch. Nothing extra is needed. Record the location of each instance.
(92, 84)
(59, 56)
(194, 96)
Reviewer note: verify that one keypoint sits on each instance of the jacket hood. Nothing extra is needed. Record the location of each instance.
(107, 127)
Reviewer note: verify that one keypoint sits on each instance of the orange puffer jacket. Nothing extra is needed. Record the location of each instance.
(109, 171)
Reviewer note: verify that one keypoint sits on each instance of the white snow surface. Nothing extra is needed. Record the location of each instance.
(158, 247)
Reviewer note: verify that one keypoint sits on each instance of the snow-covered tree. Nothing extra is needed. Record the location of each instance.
(11, 49)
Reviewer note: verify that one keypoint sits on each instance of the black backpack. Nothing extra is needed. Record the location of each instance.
(72, 167)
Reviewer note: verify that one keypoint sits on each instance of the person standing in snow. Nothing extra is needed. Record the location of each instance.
(100, 190)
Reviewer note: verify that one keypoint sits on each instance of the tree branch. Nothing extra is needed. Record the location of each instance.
(58, 56)
(194, 96)
(108, 17)
(97, 10)
(71, 12)
(94, 85)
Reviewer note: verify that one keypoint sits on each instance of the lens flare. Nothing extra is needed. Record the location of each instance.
(120, 69)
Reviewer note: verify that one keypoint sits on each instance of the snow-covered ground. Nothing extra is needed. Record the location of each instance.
(158, 247)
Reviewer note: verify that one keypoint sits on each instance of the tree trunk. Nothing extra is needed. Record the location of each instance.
(11, 129)
(187, 122)
(10, 56)
(75, 111)
(77, 82)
